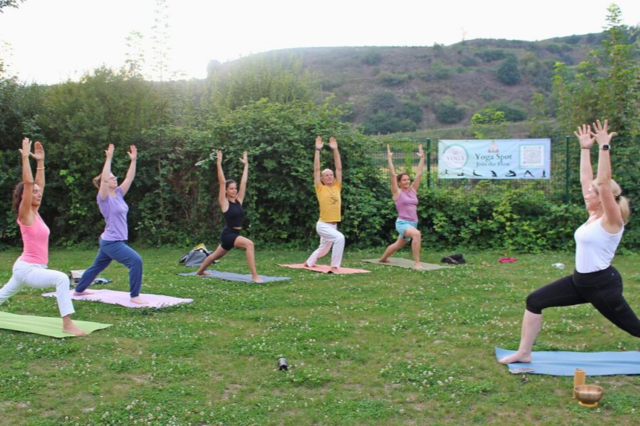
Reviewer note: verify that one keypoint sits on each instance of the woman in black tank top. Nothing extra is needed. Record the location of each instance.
(230, 200)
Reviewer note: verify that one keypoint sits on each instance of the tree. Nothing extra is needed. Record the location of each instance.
(9, 3)
(607, 86)
(509, 73)
(279, 79)
(386, 114)
(448, 111)
(489, 123)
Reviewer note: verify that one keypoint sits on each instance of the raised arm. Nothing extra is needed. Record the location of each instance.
(395, 191)
(25, 213)
(131, 173)
(103, 192)
(39, 156)
(316, 161)
(418, 179)
(222, 193)
(612, 220)
(245, 177)
(333, 144)
(586, 142)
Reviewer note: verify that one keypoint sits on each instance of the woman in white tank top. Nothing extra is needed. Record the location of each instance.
(594, 281)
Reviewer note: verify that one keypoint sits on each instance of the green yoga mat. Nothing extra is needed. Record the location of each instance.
(405, 263)
(45, 326)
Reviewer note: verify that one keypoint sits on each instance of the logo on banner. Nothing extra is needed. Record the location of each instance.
(455, 157)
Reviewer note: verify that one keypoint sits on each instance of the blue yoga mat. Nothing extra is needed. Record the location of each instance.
(565, 363)
(230, 276)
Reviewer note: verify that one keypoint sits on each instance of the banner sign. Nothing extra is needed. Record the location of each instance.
(494, 159)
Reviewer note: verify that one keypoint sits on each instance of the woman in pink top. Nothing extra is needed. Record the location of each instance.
(31, 267)
(405, 196)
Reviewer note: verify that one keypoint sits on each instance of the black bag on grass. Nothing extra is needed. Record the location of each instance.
(454, 259)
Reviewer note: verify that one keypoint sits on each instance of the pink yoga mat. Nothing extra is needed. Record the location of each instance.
(325, 269)
(122, 298)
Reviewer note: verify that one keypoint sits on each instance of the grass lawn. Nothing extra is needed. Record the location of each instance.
(393, 347)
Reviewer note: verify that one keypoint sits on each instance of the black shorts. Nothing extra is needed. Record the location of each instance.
(228, 237)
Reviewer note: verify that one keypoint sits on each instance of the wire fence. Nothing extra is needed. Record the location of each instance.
(406, 159)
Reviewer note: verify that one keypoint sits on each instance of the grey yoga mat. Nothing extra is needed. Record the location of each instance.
(231, 276)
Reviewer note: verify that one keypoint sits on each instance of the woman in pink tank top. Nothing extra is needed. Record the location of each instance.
(405, 197)
(31, 267)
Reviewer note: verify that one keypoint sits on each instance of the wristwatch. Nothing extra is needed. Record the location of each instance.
(606, 147)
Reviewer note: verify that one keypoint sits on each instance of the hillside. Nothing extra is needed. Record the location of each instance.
(393, 89)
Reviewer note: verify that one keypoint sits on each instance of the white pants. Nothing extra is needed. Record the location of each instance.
(329, 236)
(38, 276)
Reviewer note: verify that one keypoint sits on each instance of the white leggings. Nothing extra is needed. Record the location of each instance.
(329, 235)
(38, 276)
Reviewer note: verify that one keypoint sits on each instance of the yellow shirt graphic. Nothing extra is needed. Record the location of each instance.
(330, 202)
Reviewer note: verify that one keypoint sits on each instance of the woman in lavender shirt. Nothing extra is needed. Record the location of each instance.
(113, 241)
(405, 196)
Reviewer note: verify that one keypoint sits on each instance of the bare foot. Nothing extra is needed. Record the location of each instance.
(84, 293)
(73, 329)
(383, 261)
(517, 357)
(139, 300)
(334, 269)
(257, 279)
(418, 266)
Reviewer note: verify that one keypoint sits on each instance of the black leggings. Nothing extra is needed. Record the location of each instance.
(603, 289)
(228, 237)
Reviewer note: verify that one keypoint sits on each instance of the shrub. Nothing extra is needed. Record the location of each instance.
(491, 55)
(496, 216)
(372, 57)
(509, 73)
(440, 71)
(511, 112)
(391, 79)
(448, 111)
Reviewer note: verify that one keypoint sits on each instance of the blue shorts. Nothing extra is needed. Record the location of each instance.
(402, 225)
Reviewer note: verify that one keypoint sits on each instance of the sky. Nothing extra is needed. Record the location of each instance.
(48, 42)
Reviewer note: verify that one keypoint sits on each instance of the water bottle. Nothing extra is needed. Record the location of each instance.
(282, 364)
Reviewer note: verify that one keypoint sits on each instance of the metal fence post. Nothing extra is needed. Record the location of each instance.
(428, 154)
(567, 171)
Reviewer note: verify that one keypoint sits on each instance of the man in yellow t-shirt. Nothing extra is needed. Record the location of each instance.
(328, 190)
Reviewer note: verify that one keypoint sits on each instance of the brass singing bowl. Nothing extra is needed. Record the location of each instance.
(589, 395)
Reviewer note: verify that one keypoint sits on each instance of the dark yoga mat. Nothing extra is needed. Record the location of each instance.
(230, 276)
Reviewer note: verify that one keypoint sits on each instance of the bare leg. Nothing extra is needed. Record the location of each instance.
(68, 326)
(247, 244)
(400, 242)
(416, 245)
(531, 324)
(217, 254)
